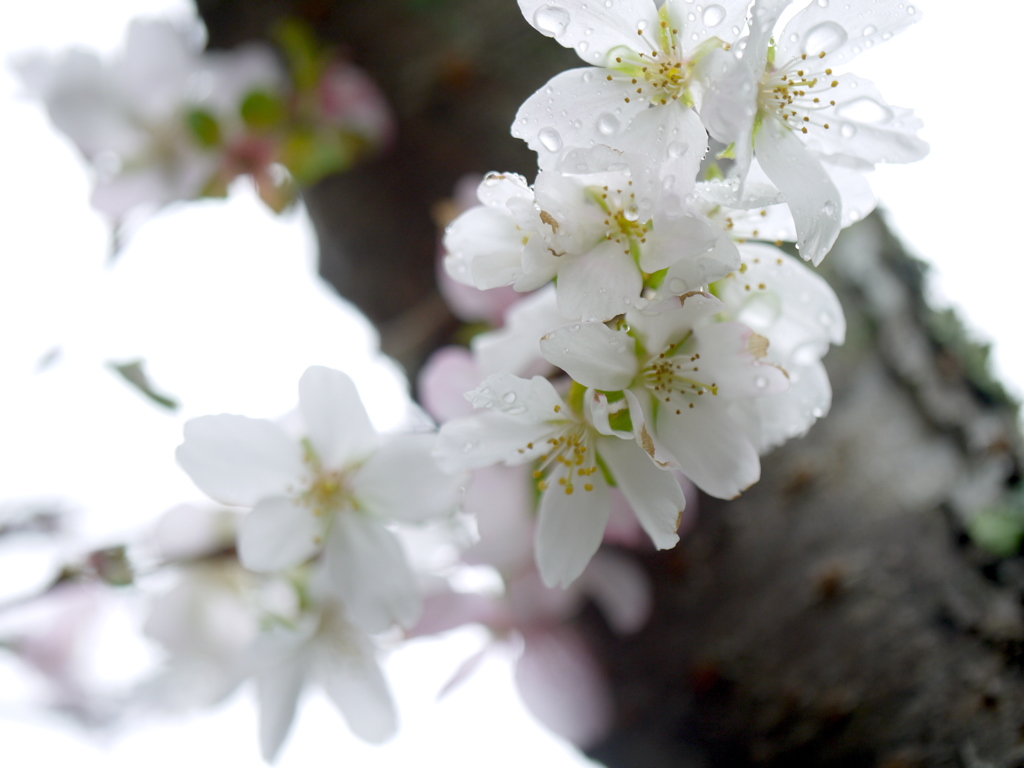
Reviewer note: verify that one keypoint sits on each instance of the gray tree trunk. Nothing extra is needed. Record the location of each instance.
(836, 614)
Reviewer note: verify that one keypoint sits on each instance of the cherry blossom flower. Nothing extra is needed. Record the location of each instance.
(526, 421)
(675, 372)
(334, 491)
(645, 56)
(783, 102)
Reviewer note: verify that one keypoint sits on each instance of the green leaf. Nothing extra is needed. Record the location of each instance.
(261, 111)
(204, 127)
(133, 373)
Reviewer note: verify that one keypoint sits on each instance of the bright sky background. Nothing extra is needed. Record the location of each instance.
(222, 302)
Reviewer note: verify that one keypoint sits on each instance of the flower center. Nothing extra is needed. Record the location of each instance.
(569, 462)
(674, 379)
(327, 490)
(795, 94)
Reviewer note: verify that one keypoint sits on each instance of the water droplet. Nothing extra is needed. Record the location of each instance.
(825, 319)
(607, 3)
(826, 36)
(551, 20)
(830, 208)
(574, 328)
(608, 124)
(631, 213)
(848, 131)
(583, 46)
(817, 413)
(676, 149)
(736, 30)
(823, 3)
(887, 35)
(516, 411)
(869, 30)
(677, 285)
(714, 15)
(865, 110)
(509, 397)
(641, 25)
(794, 37)
(911, 10)
(760, 382)
(588, 76)
(469, 446)
(550, 139)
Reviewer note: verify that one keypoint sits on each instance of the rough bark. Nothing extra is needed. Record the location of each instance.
(835, 614)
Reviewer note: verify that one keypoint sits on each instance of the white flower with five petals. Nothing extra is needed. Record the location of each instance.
(527, 421)
(335, 492)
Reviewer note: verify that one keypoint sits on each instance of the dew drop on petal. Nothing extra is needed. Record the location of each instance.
(825, 319)
(551, 20)
(583, 46)
(760, 382)
(469, 446)
(509, 397)
(823, 3)
(826, 36)
(869, 30)
(817, 413)
(550, 139)
(607, 124)
(641, 25)
(631, 213)
(676, 149)
(911, 10)
(829, 208)
(848, 131)
(607, 3)
(714, 15)
(588, 76)
(677, 285)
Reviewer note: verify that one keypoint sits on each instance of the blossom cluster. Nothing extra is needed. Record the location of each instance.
(167, 121)
(675, 340)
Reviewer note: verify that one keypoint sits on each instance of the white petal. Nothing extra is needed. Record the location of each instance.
(532, 400)
(664, 147)
(370, 573)
(653, 493)
(345, 666)
(600, 284)
(485, 248)
(842, 30)
(278, 534)
(621, 589)
(726, 358)
(336, 421)
(591, 32)
(569, 530)
(808, 315)
(862, 125)
(725, 19)
(812, 197)
(773, 420)
(490, 438)
(238, 460)
(596, 109)
(278, 687)
(712, 449)
(592, 354)
(402, 481)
